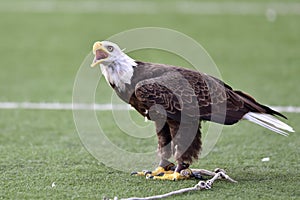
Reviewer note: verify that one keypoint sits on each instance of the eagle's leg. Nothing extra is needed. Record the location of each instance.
(164, 152)
(185, 149)
(164, 148)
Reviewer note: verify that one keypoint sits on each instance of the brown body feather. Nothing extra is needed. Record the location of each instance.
(186, 97)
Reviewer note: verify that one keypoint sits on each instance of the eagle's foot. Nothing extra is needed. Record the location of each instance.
(182, 175)
(159, 171)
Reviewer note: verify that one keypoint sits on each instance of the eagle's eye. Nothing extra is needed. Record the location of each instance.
(110, 48)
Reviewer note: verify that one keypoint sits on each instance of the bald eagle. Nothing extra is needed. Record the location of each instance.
(177, 100)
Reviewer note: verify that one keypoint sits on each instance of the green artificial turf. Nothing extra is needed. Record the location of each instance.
(41, 53)
(42, 147)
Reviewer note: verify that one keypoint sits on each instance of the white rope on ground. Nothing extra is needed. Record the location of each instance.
(196, 187)
(201, 185)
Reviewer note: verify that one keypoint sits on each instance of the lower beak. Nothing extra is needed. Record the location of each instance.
(100, 54)
(95, 62)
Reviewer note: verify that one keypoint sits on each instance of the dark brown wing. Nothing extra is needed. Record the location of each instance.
(173, 92)
(187, 95)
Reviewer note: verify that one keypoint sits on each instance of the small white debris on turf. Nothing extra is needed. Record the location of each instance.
(53, 185)
(266, 159)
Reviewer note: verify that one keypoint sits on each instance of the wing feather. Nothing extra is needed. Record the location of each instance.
(185, 93)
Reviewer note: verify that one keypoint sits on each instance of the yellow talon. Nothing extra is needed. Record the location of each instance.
(138, 173)
(159, 171)
(174, 176)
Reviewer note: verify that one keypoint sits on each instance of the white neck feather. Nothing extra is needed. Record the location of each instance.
(119, 72)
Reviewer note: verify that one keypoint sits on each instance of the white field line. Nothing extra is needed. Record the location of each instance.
(62, 106)
(98, 107)
(152, 7)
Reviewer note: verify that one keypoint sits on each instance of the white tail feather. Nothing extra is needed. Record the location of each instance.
(269, 122)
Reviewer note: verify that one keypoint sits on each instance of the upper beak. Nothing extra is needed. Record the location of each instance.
(100, 53)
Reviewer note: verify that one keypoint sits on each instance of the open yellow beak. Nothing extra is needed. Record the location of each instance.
(100, 53)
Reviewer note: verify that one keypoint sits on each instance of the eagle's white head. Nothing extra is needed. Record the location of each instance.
(116, 66)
